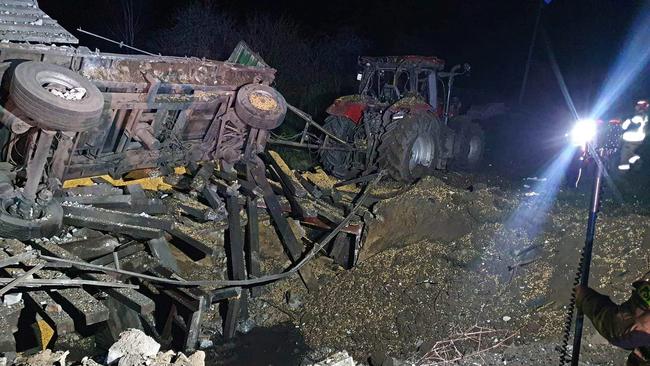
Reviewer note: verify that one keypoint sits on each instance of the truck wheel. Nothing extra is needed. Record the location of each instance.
(468, 146)
(260, 106)
(32, 91)
(338, 162)
(48, 224)
(408, 151)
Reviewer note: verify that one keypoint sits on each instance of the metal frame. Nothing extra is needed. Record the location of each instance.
(374, 121)
(178, 104)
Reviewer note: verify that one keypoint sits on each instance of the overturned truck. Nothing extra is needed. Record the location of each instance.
(70, 112)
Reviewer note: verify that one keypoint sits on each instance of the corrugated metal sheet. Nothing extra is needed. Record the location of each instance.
(244, 55)
(24, 21)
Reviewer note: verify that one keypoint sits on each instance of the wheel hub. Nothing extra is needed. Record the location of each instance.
(421, 153)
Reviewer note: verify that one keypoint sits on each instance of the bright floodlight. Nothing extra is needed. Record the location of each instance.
(583, 132)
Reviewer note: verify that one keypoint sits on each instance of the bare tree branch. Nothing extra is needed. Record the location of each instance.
(471, 343)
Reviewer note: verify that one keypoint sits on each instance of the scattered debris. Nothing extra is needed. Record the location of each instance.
(468, 345)
(338, 359)
(67, 93)
(133, 343)
(43, 358)
(293, 300)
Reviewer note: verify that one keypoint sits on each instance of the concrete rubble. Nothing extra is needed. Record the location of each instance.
(337, 359)
(133, 343)
(135, 348)
(44, 358)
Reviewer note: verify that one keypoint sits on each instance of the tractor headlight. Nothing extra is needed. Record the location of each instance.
(583, 132)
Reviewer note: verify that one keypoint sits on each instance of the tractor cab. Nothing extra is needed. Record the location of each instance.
(391, 78)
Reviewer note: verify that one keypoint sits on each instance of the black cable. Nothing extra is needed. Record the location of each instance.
(568, 319)
(582, 275)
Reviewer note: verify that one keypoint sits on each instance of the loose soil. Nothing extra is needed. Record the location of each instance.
(439, 260)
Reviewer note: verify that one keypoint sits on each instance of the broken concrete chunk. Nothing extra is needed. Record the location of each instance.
(196, 359)
(87, 361)
(164, 358)
(46, 357)
(132, 360)
(337, 359)
(132, 342)
(53, 308)
(205, 343)
(12, 299)
(294, 301)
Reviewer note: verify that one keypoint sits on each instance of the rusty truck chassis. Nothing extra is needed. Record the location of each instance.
(159, 112)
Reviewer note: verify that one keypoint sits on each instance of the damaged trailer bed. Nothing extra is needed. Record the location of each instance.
(129, 112)
(136, 263)
(82, 262)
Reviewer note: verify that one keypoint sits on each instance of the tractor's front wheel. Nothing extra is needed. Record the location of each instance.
(409, 149)
(339, 163)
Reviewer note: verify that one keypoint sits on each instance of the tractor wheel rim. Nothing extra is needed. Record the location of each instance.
(421, 153)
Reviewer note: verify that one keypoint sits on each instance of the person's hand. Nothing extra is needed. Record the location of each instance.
(581, 291)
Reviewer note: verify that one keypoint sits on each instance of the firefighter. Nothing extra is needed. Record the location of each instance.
(633, 135)
(626, 325)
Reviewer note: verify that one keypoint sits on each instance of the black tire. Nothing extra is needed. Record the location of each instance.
(48, 111)
(260, 106)
(47, 225)
(410, 148)
(338, 162)
(469, 145)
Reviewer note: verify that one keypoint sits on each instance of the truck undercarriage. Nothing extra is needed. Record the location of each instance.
(130, 113)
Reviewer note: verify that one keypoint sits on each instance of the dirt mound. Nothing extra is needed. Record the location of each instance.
(432, 210)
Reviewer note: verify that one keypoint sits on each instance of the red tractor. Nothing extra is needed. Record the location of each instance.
(403, 121)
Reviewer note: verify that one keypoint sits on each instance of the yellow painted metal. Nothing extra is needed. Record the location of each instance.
(148, 182)
(45, 331)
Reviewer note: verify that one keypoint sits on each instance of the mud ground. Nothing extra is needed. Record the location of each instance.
(443, 258)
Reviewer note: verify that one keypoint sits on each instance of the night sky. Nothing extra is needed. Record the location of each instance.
(493, 36)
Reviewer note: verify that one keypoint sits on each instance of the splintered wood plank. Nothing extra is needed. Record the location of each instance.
(91, 310)
(289, 240)
(128, 296)
(9, 315)
(287, 176)
(61, 321)
(252, 243)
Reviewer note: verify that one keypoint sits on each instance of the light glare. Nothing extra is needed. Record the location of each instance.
(584, 131)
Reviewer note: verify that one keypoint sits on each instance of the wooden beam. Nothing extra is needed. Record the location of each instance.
(91, 310)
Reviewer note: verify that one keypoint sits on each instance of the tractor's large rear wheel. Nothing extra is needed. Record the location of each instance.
(339, 163)
(409, 149)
